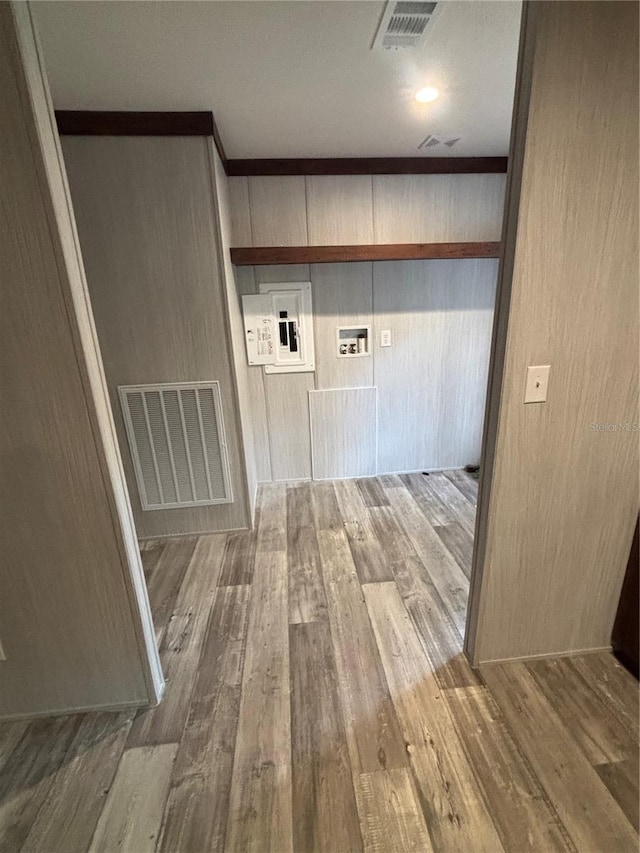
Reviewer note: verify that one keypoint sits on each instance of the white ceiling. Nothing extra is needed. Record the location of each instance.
(291, 79)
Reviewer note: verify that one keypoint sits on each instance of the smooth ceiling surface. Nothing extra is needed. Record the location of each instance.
(291, 79)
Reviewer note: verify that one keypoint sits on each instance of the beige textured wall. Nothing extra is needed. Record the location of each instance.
(145, 208)
(74, 618)
(564, 496)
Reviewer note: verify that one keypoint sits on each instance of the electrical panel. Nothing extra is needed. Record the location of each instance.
(278, 327)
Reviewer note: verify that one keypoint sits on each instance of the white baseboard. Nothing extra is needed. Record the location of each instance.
(569, 653)
(190, 534)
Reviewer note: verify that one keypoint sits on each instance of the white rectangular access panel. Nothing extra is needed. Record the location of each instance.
(344, 437)
(178, 445)
(278, 326)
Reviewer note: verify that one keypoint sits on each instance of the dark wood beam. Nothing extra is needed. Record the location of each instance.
(109, 123)
(130, 123)
(202, 123)
(264, 255)
(369, 166)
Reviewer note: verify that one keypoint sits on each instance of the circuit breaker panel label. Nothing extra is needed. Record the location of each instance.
(259, 328)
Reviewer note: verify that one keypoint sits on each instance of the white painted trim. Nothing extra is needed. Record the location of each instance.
(424, 470)
(157, 536)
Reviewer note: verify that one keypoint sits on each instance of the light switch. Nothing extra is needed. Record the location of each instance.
(537, 383)
(385, 338)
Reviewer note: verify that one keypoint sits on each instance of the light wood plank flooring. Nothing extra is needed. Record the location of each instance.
(318, 700)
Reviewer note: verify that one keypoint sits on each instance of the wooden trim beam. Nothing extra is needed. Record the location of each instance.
(131, 123)
(265, 255)
(202, 123)
(108, 123)
(369, 166)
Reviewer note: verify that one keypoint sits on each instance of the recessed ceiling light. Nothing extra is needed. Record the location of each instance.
(426, 95)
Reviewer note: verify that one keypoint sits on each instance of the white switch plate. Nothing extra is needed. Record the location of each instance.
(537, 383)
(385, 338)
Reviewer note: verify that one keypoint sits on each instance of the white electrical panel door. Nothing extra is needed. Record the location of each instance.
(292, 327)
(259, 331)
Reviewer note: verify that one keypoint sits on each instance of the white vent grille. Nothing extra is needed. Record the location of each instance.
(432, 141)
(404, 24)
(177, 441)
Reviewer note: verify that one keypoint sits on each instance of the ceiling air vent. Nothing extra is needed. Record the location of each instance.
(404, 24)
(177, 441)
(432, 141)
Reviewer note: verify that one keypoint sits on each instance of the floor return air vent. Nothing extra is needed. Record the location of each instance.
(177, 440)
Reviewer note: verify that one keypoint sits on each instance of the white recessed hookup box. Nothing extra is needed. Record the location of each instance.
(353, 341)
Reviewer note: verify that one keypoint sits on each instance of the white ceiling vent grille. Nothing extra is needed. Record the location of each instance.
(404, 24)
(178, 445)
(432, 141)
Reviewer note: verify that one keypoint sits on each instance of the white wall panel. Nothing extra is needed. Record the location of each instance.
(432, 380)
(278, 210)
(343, 433)
(357, 209)
(288, 418)
(342, 296)
(437, 208)
(239, 211)
(281, 272)
(334, 210)
(339, 209)
(245, 284)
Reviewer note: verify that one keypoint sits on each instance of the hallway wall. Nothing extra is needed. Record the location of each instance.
(75, 624)
(561, 505)
(147, 222)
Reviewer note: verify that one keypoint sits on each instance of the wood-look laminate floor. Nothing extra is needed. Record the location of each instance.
(318, 700)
